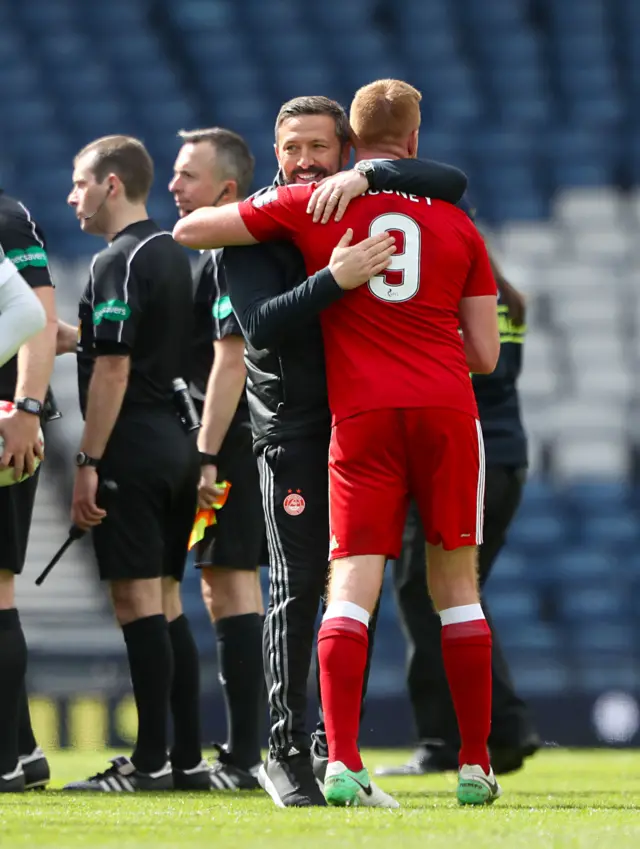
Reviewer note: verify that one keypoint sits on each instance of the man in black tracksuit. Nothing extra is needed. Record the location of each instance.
(278, 311)
(512, 736)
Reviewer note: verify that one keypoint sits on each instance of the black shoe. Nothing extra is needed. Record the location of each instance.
(197, 778)
(36, 770)
(13, 782)
(123, 777)
(227, 775)
(290, 781)
(506, 759)
(430, 756)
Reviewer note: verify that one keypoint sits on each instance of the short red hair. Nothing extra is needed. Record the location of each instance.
(385, 111)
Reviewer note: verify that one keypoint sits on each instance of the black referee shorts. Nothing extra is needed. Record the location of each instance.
(146, 532)
(236, 541)
(16, 510)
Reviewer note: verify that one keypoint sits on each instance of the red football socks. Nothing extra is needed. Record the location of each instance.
(342, 654)
(466, 652)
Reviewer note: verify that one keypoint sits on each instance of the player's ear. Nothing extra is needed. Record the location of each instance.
(345, 154)
(277, 153)
(230, 191)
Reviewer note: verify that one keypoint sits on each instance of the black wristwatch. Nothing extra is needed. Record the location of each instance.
(366, 168)
(208, 459)
(29, 405)
(83, 459)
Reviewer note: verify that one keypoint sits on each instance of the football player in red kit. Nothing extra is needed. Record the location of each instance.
(405, 423)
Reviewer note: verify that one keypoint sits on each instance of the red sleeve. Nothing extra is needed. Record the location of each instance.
(279, 213)
(480, 279)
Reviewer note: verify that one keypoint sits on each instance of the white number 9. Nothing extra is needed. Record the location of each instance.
(407, 262)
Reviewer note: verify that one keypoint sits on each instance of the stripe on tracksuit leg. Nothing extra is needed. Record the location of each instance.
(277, 620)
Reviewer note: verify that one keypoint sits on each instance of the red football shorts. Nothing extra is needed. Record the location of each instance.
(380, 459)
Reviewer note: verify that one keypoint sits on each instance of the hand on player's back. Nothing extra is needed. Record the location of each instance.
(335, 194)
(352, 265)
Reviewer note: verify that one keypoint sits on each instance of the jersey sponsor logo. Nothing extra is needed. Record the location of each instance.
(294, 503)
(111, 311)
(222, 307)
(34, 256)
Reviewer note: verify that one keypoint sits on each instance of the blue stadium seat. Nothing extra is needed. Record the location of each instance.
(10, 53)
(608, 672)
(67, 49)
(598, 637)
(537, 531)
(516, 604)
(194, 16)
(133, 50)
(571, 16)
(94, 81)
(20, 82)
(584, 564)
(509, 565)
(598, 498)
(619, 531)
(537, 493)
(416, 15)
(46, 17)
(536, 636)
(539, 674)
(592, 603)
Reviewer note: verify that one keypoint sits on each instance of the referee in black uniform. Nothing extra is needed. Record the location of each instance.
(513, 736)
(278, 310)
(24, 379)
(134, 342)
(215, 166)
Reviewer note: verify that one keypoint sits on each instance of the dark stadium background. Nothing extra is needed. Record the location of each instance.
(537, 101)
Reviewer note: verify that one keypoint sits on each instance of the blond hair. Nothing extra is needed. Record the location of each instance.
(385, 111)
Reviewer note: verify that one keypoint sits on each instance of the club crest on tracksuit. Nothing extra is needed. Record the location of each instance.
(294, 503)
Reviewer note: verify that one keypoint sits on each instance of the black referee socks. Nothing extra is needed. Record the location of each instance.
(241, 673)
(151, 665)
(13, 668)
(185, 696)
(26, 739)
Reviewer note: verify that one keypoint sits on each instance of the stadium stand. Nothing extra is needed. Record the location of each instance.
(535, 99)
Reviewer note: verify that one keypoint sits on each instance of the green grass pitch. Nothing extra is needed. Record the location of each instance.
(561, 799)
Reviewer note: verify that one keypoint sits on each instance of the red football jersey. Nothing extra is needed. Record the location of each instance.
(394, 342)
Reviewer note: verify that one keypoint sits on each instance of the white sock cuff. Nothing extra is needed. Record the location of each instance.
(346, 610)
(464, 613)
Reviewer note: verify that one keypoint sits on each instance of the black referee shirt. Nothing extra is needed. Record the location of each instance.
(138, 302)
(23, 243)
(214, 319)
